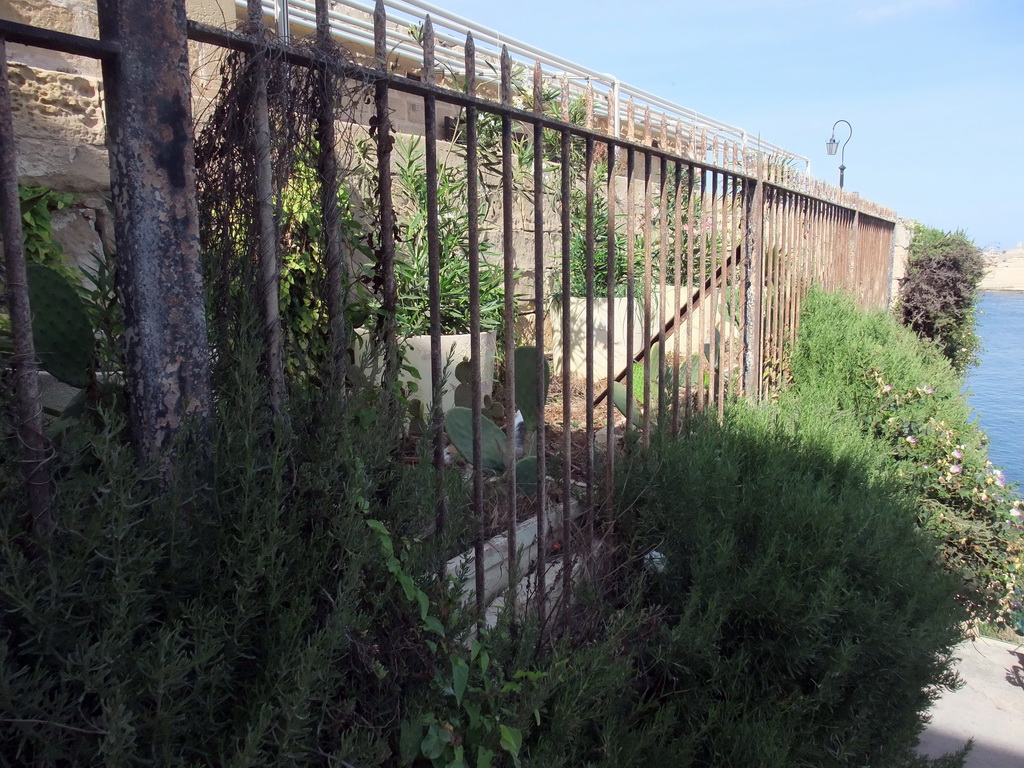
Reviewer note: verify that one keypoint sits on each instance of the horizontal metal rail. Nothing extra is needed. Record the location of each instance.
(350, 28)
(48, 39)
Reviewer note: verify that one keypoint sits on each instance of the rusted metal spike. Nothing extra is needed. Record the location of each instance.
(506, 76)
(538, 89)
(428, 51)
(323, 21)
(590, 106)
(470, 65)
(254, 13)
(380, 35)
(565, 97)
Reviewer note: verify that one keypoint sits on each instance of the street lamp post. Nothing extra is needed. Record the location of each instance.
(832, 145)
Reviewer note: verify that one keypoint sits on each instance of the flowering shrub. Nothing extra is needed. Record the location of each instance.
(964, 500)
(907, 399)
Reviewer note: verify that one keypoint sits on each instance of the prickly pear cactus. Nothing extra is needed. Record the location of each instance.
(527, 386)
(458, 423)
(526, 475)
(63, 336)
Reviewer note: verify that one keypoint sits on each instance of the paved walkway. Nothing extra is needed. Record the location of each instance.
(989, 708)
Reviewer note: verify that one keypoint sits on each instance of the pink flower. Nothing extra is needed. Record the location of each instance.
(1016, 512)
(888, 388)
(912, 440)
(955, 469)
(928, 390)
(957, 453)
(1000, 478)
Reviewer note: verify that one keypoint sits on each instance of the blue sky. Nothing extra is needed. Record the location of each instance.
(934, 89)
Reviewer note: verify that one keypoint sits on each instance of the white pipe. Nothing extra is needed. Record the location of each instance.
(618, 93)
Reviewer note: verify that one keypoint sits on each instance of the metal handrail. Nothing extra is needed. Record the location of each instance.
(451, 29)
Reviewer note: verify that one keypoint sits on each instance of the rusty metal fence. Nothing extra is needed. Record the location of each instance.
(716, 263)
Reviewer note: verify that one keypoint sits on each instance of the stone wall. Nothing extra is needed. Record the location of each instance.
(902, 235)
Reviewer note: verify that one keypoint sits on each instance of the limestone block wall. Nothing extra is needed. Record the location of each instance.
(60, 131)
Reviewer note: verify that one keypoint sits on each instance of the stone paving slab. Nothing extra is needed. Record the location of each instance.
(989, 708)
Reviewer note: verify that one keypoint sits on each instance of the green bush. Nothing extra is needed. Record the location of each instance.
(240, 614)
(907, 399)
(804, 621)
(937, 296)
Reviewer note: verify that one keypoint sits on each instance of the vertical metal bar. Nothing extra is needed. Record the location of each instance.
(772, 210)
(715, 355)
(387, 331)
(434, 274)
(677, 281)
(728, 279)
(782, 271)
(330, 210)
(692, 232)
(648, 288)
(768, 288)
(149, 125)
(508, 249)
(648, 320)
(791, 271)
(705, 244)
(663, 384)
(23, 361)
(724, 319)
(476, 376)
(270, 269)
(754, 283)
(539, 275)
(630, 277)
(565, 199)
(611, 256)
(801, 287)
(783, 276)
(589, 270)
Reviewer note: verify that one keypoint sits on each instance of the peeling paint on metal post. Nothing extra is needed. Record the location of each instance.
(152, 174)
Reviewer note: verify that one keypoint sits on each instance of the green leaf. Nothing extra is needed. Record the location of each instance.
(424, 601)
(409, 738)
(385, 537)
(511, 741)
(484, 758)
(434, 625)
(485, 660)
(474, 715)
(459, 760)
(435, 741)
(460, 677)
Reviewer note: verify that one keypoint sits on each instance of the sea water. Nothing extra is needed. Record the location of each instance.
(996, 384)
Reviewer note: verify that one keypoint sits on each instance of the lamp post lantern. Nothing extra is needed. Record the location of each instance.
(832, 145)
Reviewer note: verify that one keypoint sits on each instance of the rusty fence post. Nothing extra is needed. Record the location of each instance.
(23, 362)
(754, 245)
(152, 177)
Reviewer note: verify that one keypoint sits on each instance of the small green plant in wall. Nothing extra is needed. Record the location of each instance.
(469, 720)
